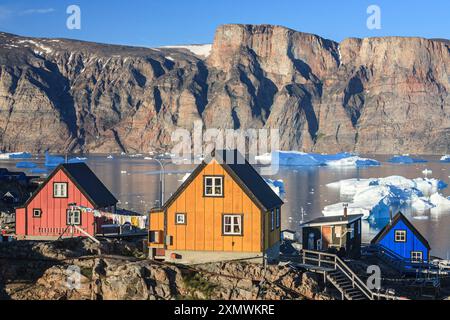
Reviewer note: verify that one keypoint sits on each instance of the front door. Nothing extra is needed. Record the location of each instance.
(311, 241)
(326, 237)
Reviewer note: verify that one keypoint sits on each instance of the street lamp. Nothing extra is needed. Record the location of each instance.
(161, 180)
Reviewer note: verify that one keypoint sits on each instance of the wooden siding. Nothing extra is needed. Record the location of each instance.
(271, 237)
(53, 219)
(203, 228)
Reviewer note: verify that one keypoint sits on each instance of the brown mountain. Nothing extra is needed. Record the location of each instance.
(374, 95)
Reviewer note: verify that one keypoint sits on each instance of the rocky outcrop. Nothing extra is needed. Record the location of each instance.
(37, 271)
(374, 95)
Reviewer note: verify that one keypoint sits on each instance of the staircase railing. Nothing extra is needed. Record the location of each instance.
(324, 259)
(400, 262)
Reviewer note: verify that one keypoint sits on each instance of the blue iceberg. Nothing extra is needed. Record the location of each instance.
(20, 155)
(26, 165)
(445, 158)
(406, 160)
(294, 158)
(54, 161)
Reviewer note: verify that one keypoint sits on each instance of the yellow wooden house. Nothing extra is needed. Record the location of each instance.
(223, 211)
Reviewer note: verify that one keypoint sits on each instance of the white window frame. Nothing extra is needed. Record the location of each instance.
(35, 210)
(180, 221)
(400, 236)
(213, 186)
(278, 217)
(60, 190)
(70, 217)
(415, 255)
(232, 224)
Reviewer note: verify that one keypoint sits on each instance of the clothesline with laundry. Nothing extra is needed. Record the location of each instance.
(138, 221)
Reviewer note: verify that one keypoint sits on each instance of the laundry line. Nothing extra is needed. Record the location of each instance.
(138, 221)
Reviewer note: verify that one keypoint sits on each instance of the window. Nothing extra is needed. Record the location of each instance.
(156, 237)
(73, 217)
(416, 256)
(400, 236)
(272, 220)
(232, 224)
(180, 218)
(37, 213)
(213, 186)
(278, 217)
(60, 190)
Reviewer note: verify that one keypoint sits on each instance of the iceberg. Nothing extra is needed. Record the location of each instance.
(15, 155)
(264, 159)
(373, 197)
(353, 161)
(296, 158)
(53, 161)
(77, 160)
(26, 165)
(439, 201)
(277, 186)
(405, 159)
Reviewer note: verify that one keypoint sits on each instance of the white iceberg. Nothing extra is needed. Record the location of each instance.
(277, 186)
(439, 201)
(373, 197)
(264, 159)
(421, 203)
(354, 161)
(296, 158)
(185, 177)
(15, 155)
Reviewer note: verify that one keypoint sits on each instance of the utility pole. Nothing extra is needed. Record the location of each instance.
(161, 181)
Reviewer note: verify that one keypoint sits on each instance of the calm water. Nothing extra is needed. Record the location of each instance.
(134, 181)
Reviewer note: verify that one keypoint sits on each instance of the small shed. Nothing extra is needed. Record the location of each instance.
(339, 234)
(400, 237)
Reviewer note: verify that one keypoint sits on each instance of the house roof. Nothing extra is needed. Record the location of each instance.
(334, 220)
(400, 217)
(86, 181)
(242, 172)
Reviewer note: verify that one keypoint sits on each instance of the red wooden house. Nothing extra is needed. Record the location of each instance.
(48, 212)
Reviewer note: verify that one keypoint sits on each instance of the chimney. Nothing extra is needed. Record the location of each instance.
(345, 210)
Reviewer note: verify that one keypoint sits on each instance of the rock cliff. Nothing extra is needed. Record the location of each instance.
(117, 271)
(373, 95)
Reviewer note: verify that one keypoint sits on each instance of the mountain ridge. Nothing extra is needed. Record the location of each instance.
(370, 95)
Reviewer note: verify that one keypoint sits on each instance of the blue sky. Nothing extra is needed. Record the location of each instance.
(170, 22)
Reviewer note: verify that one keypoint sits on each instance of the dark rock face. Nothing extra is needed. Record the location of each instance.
(375, 95)
(112, 271)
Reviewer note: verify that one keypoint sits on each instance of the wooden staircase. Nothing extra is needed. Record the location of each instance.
(345, 286)
(338, 273)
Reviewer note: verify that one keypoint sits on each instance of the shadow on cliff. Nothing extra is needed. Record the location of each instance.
(57, 88)
(264, 94)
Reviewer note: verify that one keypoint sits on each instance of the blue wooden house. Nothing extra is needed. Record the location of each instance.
(401, 238)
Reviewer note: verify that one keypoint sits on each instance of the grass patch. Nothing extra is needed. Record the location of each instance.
(87, 272)
(195, 284)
